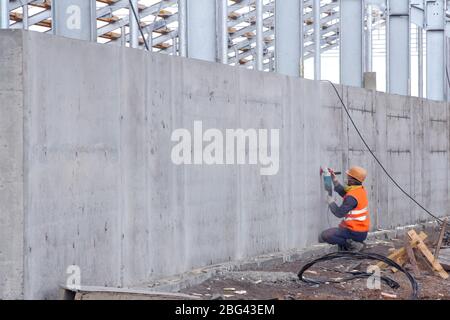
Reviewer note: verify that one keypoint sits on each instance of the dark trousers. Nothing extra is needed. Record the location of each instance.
(340, 236)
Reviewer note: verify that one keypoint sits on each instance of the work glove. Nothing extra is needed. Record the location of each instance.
(330, 199)
(333, 175)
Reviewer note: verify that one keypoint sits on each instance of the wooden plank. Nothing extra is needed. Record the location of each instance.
(399, 255)
(165, 14)
(234, 15)
(441, 238)
(411, 257)
(122, 293)
(401, 260)
(427, 253)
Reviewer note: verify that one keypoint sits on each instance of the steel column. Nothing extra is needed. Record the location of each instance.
(123, 36)
(134, 25)
(224, 31)
(302, 37)
(420, 59)
(174, 46)
(201, 29)
(369, 41)
(288, 37)
(435, 23)
(4, 14)
(317, 38)
(351, 42)
(398, 36)
(259, 35)
(182, 36)
(25, 17)
(435, 65)
(447, 71)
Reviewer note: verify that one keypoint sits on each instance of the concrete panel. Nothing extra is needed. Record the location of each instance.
(363, 111)
(379, 208)
(313, 158)
(304, 164)
(334, 141)
(261, 206)
(11, 165)
(73, 164)
(217, 92)
(417, 176)
(133, 108)
(436, 146)
(399, 157)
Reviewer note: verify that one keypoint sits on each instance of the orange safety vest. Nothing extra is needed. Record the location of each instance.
(358, 219)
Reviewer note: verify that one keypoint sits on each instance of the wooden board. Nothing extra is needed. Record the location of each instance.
(441, 238)
(411, 257)
(108, 293)
(400, 255)
(427, 253)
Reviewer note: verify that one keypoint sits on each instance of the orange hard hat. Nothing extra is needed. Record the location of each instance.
(357, 173)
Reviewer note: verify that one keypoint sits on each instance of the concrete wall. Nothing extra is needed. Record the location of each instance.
(86, 176)
(11, 166)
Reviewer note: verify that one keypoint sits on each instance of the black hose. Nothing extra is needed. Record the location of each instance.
(376, 158)
(360, 275)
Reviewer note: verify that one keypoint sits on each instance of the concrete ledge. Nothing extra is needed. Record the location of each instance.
(107, 293)
(400, 231)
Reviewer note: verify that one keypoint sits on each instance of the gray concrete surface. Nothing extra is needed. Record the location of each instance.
(11, 166)
(370, 80)
(86, 176)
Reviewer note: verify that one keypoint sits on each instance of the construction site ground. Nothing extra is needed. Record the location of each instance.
(280, 282)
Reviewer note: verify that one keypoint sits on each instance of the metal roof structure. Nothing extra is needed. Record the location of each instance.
(244, 32)
(160, 21)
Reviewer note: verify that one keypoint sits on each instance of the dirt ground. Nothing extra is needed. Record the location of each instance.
(281, 282)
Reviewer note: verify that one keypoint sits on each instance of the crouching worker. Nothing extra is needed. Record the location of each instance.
(353, 230)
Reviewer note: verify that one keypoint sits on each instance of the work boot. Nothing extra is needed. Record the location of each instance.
(321, 239)
(355, 246)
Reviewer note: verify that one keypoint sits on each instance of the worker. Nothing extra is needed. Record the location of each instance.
(354, 228)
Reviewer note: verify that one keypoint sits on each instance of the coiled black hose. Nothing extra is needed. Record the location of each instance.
(360, 275)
